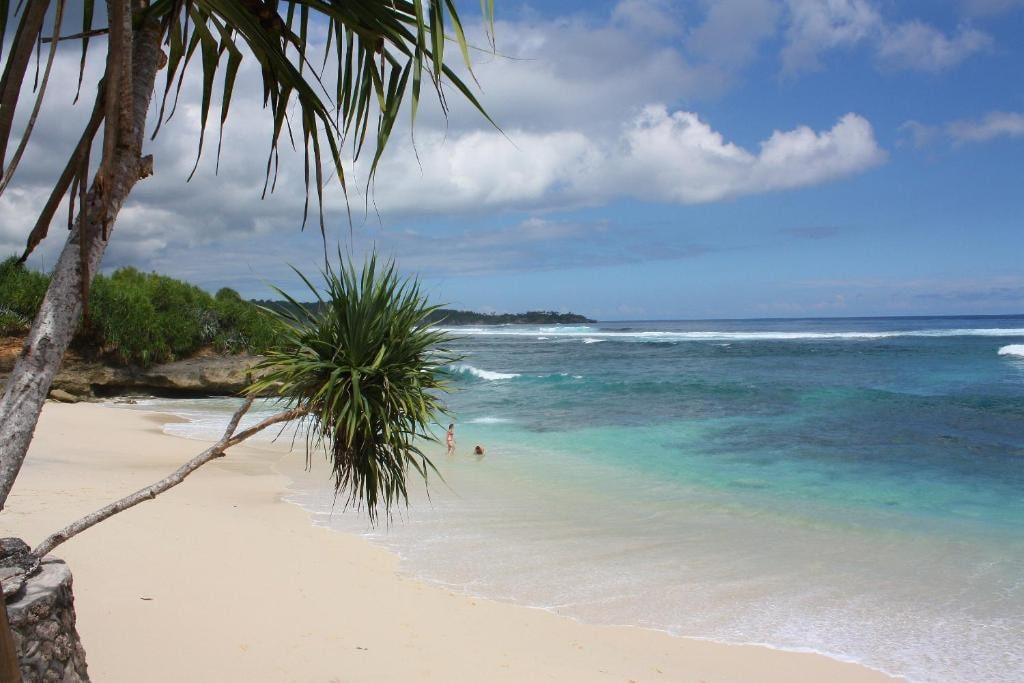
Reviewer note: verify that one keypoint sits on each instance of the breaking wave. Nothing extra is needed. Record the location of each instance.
(488, 375)
(590, 335)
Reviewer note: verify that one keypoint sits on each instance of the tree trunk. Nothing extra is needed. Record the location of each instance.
(10, 672)
(55, 324)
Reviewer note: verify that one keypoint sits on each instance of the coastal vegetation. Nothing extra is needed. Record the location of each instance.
(368, 368)
(140, 319)
(451, 316)
(137, 318)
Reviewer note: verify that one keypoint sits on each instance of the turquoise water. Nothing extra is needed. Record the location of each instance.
(854, 487)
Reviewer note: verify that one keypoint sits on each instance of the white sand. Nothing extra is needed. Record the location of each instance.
(220, 580)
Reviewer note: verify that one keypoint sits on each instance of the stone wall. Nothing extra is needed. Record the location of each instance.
(42, 616)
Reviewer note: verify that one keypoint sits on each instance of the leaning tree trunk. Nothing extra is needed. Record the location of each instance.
(130, 77)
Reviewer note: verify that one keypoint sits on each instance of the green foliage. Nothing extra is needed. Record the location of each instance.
(241, 326)
(367, 368)
(143, 318)
(447, 316)
(21, 289)
(11, 322)
(147, 318)
(122, 323)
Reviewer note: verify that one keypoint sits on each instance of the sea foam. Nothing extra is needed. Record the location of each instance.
(489, 375)
(1012, 350)
(590, 335)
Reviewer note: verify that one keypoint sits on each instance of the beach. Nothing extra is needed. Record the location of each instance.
(222, 580)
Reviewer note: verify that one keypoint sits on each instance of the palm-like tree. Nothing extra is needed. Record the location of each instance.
(361, 370)
(366, 368)
(376, 52)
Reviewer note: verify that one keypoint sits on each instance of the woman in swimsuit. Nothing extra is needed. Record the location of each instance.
(450, 438)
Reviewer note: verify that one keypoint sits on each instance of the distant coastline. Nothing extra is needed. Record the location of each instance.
(450, 316)
(455, 317)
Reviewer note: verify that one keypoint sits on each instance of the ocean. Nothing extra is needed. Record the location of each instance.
(853, 487)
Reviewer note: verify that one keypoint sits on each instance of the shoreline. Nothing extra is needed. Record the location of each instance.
(407, 572)
(424, 630)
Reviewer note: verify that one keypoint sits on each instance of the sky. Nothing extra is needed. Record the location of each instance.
(657, 159)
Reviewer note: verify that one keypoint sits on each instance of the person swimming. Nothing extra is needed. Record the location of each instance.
(478, 450)
(450, 438)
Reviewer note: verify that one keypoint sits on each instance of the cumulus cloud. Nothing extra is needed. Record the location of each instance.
(678, 157)
(657, 155)
(817, 27)
(586, 122)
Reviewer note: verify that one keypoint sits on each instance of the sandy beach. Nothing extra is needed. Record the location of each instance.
(221, 580)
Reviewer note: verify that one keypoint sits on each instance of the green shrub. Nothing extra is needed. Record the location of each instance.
(242, 325)
(143, 318)
(21, 289)
(123, 322)
(12, 322)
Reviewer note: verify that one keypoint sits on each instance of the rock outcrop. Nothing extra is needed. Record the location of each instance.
(205, 375)
(211, 375)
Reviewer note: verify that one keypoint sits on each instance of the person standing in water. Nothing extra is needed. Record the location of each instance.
(450, 438)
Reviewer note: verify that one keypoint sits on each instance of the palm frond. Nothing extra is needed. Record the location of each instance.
(374, 50)
(375, 47)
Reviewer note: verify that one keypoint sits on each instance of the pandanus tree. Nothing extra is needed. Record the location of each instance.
(361, 372)
(375, 56)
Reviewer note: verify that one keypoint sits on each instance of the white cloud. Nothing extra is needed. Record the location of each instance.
(573, 72)
(580, 107)
(677, 157)
(996, 124)
(817, 27)
(915, 45)
(993, 125)
(657, 155)
(481, 169)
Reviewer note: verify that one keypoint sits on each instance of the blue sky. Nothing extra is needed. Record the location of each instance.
(742, 158)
